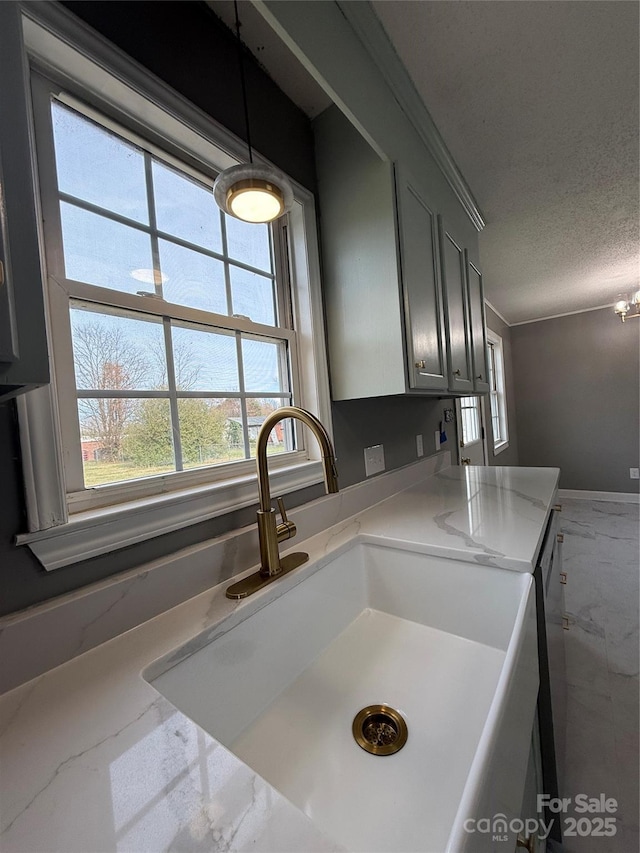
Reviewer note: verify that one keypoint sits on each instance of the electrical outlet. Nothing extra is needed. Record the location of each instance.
(373, 460)
(419, 445)
(437, 439)
(634, 473)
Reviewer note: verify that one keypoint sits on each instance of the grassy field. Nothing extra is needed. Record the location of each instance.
(101, 473)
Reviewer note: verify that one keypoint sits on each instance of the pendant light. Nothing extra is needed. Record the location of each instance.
(250, 191)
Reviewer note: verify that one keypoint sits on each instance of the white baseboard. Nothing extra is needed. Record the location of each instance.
(583, 495)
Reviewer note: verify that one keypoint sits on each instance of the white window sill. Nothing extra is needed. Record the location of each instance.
(498, 448)
(99, 531)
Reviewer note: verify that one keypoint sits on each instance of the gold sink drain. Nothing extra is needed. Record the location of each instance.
(380, 730)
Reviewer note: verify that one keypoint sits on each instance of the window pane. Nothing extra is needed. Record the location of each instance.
(261, 361)
(249, 243)
(281, 438)
(204, 361)
(191, 278)
(98, 166)
(252, 296)
(210, 431)
(124, 439)
(116, 353)
(103, 252)
(185, 208)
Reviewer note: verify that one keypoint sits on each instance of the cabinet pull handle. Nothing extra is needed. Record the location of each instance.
(527, 843)
(456, 372)
(420, 365)
(558, 507)
(479, 376)
(563, 577)
(565, 622)
(560, 537)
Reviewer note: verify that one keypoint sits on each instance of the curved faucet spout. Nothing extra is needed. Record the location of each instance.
(269, 532)
(328, 456)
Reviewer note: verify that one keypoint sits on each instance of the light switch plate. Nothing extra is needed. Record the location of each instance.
(634, 473)
(373, 459)
(419, 445)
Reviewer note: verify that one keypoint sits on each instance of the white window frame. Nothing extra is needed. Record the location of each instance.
(498, 393)
(58, 43)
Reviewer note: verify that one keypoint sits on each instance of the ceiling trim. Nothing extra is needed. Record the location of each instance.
(496, 312)
(566, 314)
(373, 36)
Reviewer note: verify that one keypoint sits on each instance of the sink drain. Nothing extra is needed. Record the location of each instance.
(380, 730)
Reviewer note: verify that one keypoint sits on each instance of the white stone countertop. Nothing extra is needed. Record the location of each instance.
(94, 759)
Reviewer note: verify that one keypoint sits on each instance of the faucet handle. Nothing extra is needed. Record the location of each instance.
(283, 511)
(286, 529)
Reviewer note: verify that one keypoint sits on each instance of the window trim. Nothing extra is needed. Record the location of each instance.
(501, 395)
(57, 42)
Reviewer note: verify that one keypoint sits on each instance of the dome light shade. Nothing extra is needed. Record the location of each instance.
(253, 193)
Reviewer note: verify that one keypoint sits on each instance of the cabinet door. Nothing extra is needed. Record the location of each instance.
(457, 313)
(478, 328)
(24, 361)
(424, 320)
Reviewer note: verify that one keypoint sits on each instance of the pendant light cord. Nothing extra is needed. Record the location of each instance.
(243, 82)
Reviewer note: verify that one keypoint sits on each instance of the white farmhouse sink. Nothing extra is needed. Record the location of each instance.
(449, 645)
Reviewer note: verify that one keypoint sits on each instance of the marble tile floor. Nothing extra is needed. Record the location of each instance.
(601, 557)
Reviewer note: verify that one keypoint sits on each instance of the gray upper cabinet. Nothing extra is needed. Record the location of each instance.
(452, 259)
(478, 328)
(395, 283)
(424, 321)
(24, 362)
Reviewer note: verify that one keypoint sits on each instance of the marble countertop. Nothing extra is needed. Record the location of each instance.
(493, 516)
(95, 759)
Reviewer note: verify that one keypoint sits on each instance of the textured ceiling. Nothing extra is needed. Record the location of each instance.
(538, 104)
(537, 101)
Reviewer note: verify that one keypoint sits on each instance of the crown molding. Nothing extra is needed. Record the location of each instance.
(565, 314)
(373, 36)
(497, 313)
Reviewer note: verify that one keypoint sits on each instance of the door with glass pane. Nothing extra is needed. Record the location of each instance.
(471, 432)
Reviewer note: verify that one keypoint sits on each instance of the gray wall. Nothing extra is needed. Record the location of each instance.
(577, 398)
(391, 421)
(206, 74)
(510, 455)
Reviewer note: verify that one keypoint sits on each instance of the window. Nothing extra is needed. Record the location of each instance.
(470, 420)
(174, 329)
(497, 393)
(178, 346)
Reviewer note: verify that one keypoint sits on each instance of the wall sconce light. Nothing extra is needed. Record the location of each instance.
(250, 191)
(625, 307)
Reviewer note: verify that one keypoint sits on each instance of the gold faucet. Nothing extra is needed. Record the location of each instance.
(270, 533)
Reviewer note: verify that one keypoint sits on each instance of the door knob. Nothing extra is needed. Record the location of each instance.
(456, 372)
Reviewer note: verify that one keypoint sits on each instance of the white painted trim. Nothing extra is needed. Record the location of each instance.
(497, 313)
(566, 314)
(373, 36)
(498, 448)
(614, 497)
(89, 534)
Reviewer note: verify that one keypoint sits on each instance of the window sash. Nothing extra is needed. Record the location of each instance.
(62, 290)
(497, 395)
